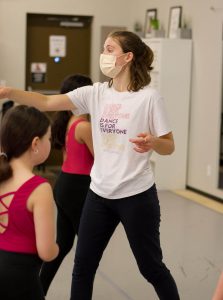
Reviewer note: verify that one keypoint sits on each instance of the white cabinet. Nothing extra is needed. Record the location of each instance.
(171, 76)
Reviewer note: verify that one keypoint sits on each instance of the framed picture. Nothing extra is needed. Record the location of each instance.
(174, 21)
(150, 15)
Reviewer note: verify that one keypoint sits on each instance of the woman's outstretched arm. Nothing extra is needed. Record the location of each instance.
(40, 101)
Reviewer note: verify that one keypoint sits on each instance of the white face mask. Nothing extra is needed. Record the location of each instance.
(107, 65)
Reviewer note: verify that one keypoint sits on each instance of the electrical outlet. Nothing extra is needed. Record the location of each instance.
(208, 170)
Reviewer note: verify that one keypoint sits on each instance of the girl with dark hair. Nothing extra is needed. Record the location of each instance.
(124, 111)
(71, 134)
(26, 204)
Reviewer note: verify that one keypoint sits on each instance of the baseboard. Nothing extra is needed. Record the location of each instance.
(218, 199)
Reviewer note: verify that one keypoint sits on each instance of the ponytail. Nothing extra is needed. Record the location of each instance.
(59, 128)
(61, 118)
(5, 168)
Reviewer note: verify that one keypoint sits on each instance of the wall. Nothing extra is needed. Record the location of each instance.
(204, 131)
(13, 29)
(206, 71)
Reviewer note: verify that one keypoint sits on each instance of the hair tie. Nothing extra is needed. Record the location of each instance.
(3, 154)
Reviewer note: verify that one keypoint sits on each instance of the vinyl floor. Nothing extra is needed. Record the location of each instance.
(192, 243)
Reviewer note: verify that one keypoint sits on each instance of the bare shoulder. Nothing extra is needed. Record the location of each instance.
(42, 188)
(83, 135)
(83, 127)
(42, 193)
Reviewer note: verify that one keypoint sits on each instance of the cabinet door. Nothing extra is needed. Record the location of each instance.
(156, 47)
(171, 77)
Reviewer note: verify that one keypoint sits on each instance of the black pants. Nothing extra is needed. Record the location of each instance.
(19, 276)
(70, 192)
(140, 216)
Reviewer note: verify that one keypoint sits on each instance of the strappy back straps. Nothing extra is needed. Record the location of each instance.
(4, 210)
(13, 198)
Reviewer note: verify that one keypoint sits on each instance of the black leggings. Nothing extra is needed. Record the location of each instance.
(140, 216)
(19, 276)
(70, 192)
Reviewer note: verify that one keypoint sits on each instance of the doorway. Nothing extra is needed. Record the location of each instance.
(56, 46)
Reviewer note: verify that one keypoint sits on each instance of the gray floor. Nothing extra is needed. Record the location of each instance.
(192, 242)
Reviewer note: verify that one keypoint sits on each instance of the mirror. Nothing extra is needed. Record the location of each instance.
(220, 177)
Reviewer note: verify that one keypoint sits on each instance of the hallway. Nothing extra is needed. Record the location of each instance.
(192, 242)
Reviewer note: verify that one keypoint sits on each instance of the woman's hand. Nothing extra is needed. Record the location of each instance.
(145, 142)
(4, 92)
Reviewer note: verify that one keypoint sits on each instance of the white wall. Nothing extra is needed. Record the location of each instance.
(13, 30)
(206, 72)
(206, 88)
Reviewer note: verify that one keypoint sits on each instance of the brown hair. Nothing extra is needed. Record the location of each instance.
(142, 58)
(61, 118)
(20, 125)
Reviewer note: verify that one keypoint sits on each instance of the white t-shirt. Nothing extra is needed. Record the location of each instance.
(118, 170)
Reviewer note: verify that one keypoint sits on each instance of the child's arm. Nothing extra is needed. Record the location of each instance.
(83, 134)
(41, 203)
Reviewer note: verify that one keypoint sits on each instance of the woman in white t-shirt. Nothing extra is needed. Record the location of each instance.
(128, 121)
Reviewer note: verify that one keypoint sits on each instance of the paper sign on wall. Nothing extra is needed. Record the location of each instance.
(38, 71)
(57, 45)
(38, 67)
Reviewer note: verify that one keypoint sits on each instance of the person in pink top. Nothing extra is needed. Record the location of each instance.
(72, 134)
(27, 230)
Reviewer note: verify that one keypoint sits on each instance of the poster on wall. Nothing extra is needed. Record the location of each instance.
(38, 72)
(57, 46)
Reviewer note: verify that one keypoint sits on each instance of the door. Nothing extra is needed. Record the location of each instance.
(57, 46)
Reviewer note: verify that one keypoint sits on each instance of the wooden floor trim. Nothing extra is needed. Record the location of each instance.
(210, 203)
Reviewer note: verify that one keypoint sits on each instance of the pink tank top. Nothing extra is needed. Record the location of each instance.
(19, 235)
(79, 159)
